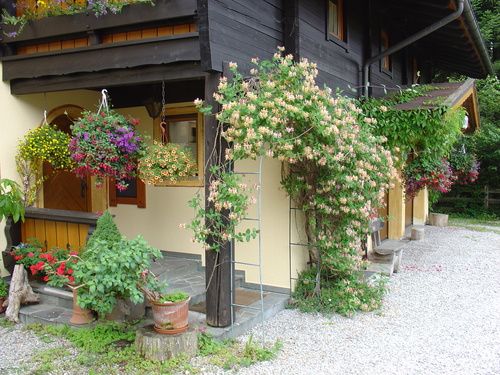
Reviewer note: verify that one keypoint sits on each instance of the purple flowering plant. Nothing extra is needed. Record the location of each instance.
(106, 144)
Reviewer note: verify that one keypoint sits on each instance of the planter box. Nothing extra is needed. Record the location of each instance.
(438, 220)
(87, 22)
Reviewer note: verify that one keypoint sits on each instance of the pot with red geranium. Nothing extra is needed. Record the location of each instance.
(4, 289)
(170, 310)
(54, 266)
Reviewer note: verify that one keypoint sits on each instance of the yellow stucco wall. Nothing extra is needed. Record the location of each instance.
(166, 207)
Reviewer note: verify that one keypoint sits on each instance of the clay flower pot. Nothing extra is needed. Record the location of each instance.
(80, 316)
(171, 317)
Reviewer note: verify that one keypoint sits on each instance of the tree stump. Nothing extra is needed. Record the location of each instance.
(154, 345)
(20, 293)
(417, 234)
(438, 220)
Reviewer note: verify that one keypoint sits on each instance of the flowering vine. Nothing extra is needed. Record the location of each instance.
(335, 170)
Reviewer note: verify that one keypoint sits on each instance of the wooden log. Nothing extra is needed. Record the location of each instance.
(417, 234)
(154, 345)
(20, 293)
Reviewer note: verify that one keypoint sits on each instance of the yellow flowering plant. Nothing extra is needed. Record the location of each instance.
(166, 162)
(44, 144)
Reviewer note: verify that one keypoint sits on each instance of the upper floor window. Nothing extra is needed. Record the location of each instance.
(336, 19)
(384, 45)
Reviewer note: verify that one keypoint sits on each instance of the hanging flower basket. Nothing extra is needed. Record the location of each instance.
(429, 171)
(166, 162)
(465, 167)
(106, 144)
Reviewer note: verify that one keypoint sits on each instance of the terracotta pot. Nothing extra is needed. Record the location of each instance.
(171, 317)
(2, 300)
(80, 316)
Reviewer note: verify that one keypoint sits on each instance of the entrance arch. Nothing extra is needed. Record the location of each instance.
(65, 190)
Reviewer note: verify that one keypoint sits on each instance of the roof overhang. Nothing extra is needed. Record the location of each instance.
(457, 46)
(452, 94)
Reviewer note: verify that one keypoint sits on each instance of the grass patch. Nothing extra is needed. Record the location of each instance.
(475, 224)
(92, 351)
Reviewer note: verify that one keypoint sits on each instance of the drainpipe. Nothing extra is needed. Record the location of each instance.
(477, 38)
(412, 39)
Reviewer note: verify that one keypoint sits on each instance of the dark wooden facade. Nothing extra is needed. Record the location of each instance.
(133, 52)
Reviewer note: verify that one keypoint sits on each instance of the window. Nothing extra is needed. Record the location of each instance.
(385, 63)
(134, 194)
(182, 124)
(336, 20)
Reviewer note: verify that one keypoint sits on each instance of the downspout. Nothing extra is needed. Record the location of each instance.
(478, 39)
(412, 39)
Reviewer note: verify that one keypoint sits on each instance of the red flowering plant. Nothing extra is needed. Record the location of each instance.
(106, 144)
(55, 265)
(465, 166)
(428, 170)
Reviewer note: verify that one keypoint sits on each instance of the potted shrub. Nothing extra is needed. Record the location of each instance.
(170, 310)
(4, 288)
(11, 200)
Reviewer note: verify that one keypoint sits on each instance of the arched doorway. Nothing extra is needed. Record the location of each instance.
(64, 190)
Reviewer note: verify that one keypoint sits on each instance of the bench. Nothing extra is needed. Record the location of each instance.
(385, 256)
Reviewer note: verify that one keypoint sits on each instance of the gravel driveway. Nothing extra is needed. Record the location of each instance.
(441, 316)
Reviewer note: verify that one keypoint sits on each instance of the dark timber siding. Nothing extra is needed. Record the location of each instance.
(239, 30)
(338, 66)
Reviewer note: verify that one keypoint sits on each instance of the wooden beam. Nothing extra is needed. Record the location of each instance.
(109, 78)
(121, 55)
(217, 264)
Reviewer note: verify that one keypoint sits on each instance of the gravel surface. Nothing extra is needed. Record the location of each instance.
(441, 316)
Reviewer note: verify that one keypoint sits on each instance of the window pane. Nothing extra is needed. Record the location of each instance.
(333, 18)
(184, 134)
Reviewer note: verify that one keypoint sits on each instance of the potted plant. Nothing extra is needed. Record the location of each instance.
(166, 162)
(11, 200)
(170, 310)
(106, 144)
(4, 288)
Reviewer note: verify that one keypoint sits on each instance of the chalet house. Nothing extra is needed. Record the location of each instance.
(176, 51)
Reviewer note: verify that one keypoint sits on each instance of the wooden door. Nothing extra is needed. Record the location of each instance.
(64, 190)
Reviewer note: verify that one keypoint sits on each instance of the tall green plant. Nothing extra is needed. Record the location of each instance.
(106, 230)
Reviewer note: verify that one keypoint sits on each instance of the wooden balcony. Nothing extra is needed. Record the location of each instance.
(82, 50)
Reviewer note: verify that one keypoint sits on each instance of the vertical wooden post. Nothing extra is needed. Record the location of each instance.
(217, 264)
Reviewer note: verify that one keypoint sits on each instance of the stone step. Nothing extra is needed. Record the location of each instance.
(245, 317)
